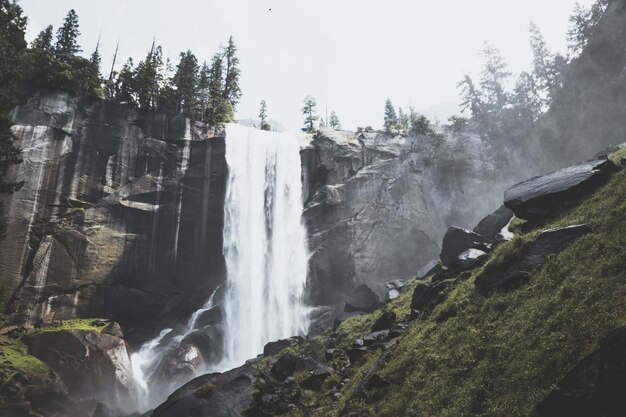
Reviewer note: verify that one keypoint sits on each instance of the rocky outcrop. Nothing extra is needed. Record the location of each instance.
(378, 206)
(510, 275)
(120, 215)
(458, 241)
(538, 197)
(218, 395)
(595, 387)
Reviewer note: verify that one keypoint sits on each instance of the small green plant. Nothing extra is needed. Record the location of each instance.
(205, 390)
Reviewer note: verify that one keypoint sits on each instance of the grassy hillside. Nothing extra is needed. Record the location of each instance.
(501, 355)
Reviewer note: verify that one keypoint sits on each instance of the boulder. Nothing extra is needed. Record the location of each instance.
(380, 336)
(425, 296)
(397, 284)
(491, 226)
(228, 394)
(93, 366)
(469, 259)
(457, 241)
(386, 321)
(317, 377)
(538, 197)
(392, 295)
(509, 276)
(272, 348)
(430, 268)
(362, 298)
(284, 367)
(595, 387)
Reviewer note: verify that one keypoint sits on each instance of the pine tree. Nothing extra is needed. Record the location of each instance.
(147, 78)
(583, 22)
(43, 41)
(403, 119)
(308, 111)
(125, 84)
(422, 126)
(494, 77)
(12, 47)
(391, 120)
(334, 121)
(219, 109)
(263, 116)
(67, 37)
(231, 91)
(186, 84)
(545, 70)
(204, 79)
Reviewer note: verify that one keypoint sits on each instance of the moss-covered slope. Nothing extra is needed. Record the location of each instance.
(498, 355)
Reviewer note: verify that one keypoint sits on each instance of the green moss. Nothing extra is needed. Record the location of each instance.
(14, 358)
(96, 325)
(204, 391)
(502, 355)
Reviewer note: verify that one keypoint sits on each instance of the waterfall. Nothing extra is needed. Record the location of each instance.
(264, 242)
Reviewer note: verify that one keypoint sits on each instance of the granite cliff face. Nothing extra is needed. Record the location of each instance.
(378, 206)
(120, 215)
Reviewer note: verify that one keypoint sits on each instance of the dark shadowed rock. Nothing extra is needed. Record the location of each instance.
(425, 296)
(595, 387)
(490, 226)
(322, 318)
(317, 377)
(457, 241)
(285, 366)
(539, 196)
(376, 337)
(272, 348)
(362, 298)
(355, 355)
(217, 395)
(430, 268)
(386, 321)
(509, 276)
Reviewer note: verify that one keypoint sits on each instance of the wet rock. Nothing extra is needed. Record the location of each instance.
(538, 197)
(492, 225)
(113, 329)
(425, 296)
(317, 377)
(510, 276)
(228, 394)
(595, 387)
(92, 365)
(362, 298)
(322, 318)
(355, 355)
(457, 241)
(397, 284)
(430, 268)
(386, 321)
(272, 348)
(392, 295)
(332, 354)
(376, 337)
(284, 367)
(469, 259)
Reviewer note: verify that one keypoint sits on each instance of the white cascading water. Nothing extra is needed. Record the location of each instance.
(264, 242)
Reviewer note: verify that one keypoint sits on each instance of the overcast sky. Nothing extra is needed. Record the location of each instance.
(349, 54)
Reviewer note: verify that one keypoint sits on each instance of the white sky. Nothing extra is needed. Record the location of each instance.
(349, 54)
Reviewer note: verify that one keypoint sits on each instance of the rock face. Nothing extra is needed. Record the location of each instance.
(510, 276)
(595, 387)
(539, 196)
(120, 215)
(217, 395)
(362, 298)
(457, 241)
(378, 206)
(491, 226)
(93, 366)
